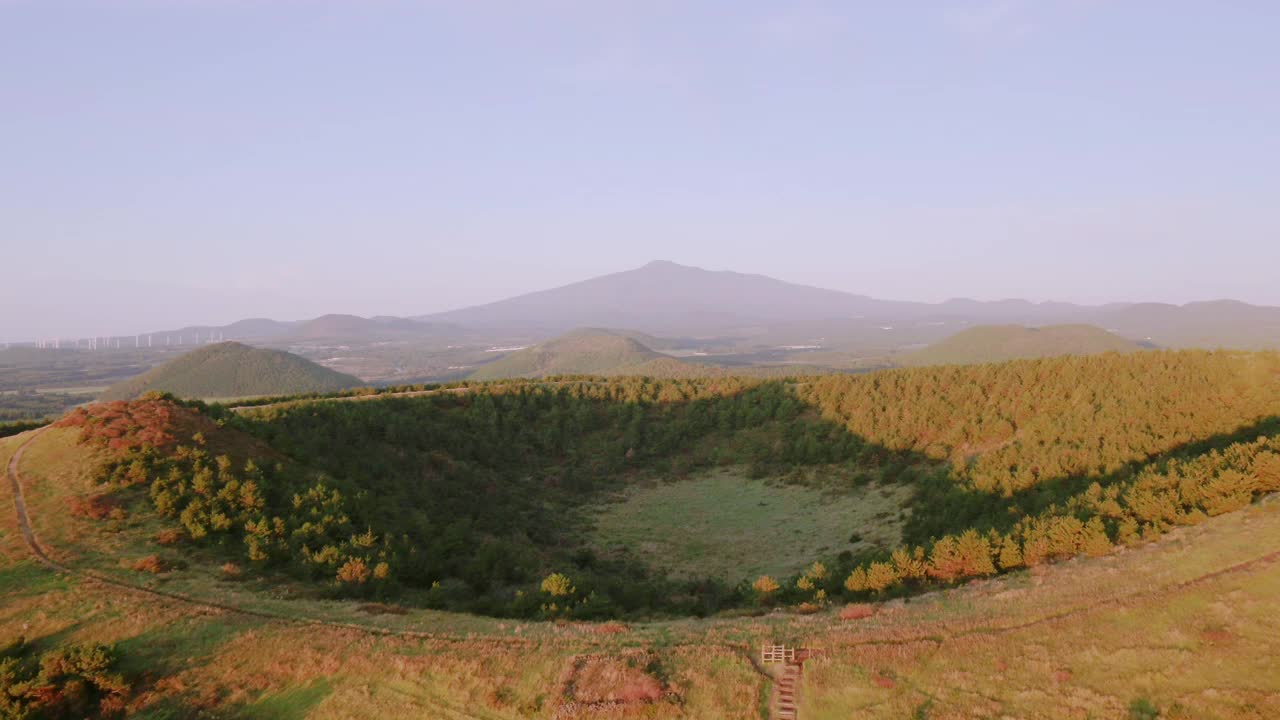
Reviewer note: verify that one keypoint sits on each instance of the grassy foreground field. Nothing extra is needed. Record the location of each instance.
(1186, 627)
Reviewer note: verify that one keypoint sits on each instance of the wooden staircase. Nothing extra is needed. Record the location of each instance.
(787, 668)
(785, 703)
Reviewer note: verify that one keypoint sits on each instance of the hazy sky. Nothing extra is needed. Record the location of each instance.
(170, 162)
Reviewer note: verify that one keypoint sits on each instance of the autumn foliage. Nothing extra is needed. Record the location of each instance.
(77, 681)
(1010, 426)
(123, 426)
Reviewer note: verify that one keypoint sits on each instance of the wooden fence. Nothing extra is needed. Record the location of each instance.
(777, 654)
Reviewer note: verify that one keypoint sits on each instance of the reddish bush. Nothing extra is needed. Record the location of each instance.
(640, 689)
(857, 611)
(122, 425)
(1216, 637)
(885, 682)
(94, 507)
(231, 571)
(151, 564)
(169, 536)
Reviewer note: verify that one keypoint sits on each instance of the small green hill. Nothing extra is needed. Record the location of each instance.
(588, 351)
(595, 351)
(230, 369)
(997, 343)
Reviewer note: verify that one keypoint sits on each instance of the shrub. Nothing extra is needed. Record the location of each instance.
(151, 564)
(557, 585)
(857, 611)
(94, 507)
(353, 572)
(881, 576)
(231, 571)
(857, 580)
(1143, 709)
(765, 585)
(169, 536)
(72, 682)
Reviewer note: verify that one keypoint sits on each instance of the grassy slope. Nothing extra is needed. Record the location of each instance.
(231, 369)
(996, 343)
(1081, 638)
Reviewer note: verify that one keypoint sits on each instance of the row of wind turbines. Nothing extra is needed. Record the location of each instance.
(139, 341)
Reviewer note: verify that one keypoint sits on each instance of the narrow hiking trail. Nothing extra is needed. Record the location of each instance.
(20, 503)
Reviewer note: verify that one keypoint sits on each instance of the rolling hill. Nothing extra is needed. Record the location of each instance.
(230, 369)
(997, 343)
(587, 351)
(1213, 324)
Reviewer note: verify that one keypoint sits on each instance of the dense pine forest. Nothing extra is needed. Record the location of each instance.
(477, 498)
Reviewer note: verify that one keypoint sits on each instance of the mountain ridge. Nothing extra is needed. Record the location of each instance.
(667, 299)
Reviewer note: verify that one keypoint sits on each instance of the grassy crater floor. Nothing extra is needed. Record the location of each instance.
(728, 526)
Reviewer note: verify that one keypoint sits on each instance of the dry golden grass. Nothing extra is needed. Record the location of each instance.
(1084, 639)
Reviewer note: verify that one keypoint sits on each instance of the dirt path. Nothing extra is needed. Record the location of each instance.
(20, 504)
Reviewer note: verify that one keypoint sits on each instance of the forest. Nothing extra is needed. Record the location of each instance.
(476, 498)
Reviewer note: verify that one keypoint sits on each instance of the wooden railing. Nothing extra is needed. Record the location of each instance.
(777, 654)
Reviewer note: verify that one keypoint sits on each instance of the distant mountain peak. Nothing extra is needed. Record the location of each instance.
(668, 267)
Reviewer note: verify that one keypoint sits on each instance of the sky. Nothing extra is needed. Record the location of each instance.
(174, 162)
